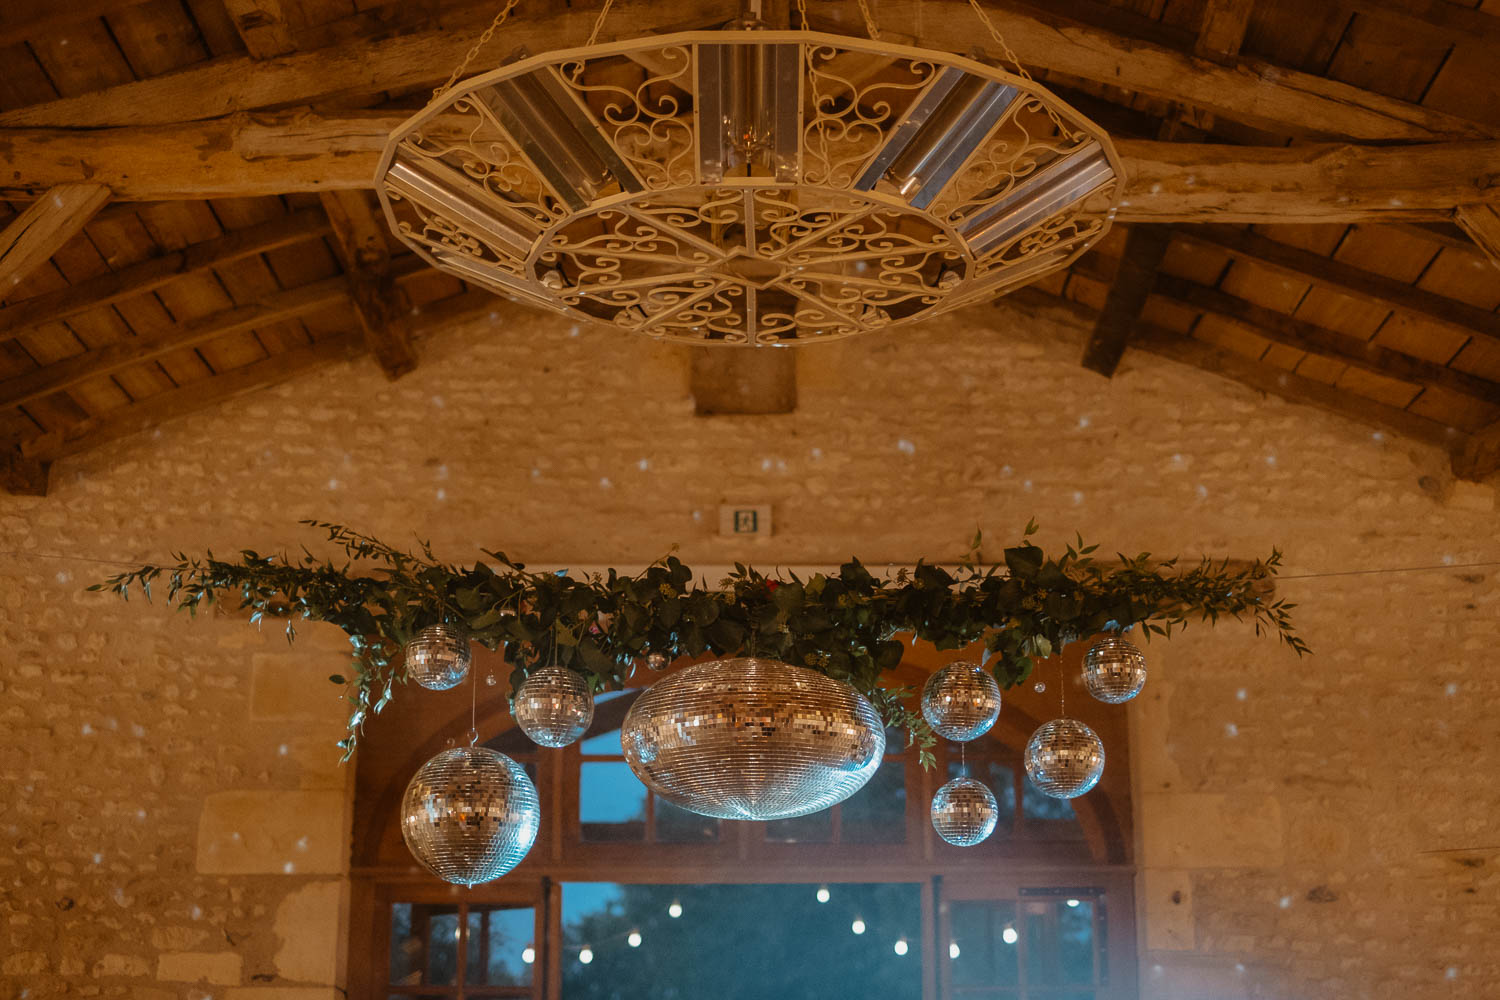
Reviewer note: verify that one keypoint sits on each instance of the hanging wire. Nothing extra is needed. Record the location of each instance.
(864, 8)
(1015, 60)
(1062, 690)
(483, 41)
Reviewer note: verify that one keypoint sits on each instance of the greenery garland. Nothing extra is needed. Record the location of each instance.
(843, 625)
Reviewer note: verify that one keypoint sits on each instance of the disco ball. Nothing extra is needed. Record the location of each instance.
(1064, 758)
(1114, 670)
(657, 661)
(438, 658)
(961, 702)
(753, 739)
(964, 812)
(554, 706)
(470, 815)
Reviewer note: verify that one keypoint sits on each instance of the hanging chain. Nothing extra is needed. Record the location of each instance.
(1014, 60)
(473, 704)
(483, 41)
(802, 9)
(864, 8)
(1062, 689)
(599, 22)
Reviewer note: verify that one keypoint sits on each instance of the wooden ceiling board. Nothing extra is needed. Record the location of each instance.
(1481, 357)
(1465, 275)
(1087, 291)
(429, 287)
(216, 27)
(1390, 391)
(1388, 58)
(1264, 287)
(1282, 356)
(1320, 369)
(1334, 311)
(56, 411)
(252, 278)
(1384, 250)
(1169, 315)
(1296, 33)
(1205, 265)
(1463, 412)
(24, 81)
(1319, 238)
(233, 350)
(17, 426)
(157, 37)
(1421, 338)
(81, 59)
(99, 396)
(1231, 336)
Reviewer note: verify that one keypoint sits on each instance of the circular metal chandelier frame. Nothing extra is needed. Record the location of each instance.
(749, 187)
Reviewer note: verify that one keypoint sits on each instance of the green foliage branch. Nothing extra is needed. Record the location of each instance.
(845, 625)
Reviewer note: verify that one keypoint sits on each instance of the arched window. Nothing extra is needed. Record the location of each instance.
(626, 897)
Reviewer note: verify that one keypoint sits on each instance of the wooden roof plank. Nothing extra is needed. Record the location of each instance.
(152, 273)
(1309, 337)
(359, 236)
(1346, 279)
(36, 234)
(1451, 22)
(1248, 90)
(263, 26)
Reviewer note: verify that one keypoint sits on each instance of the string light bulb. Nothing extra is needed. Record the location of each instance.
(634, 940)
(823, 894)
(953, 951)
(858, 926)
(675, 910)
(586, 955)
(1072, 904)
(1009, 935)
(528, 954)
(900, 946)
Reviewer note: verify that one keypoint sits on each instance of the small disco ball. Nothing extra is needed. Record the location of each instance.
(961, 702)
(964, 812)
(554, 706)
(438, 658)
(1064, 758)
(752, 738)
(1114, 670)
(657, 661)
(470, 815)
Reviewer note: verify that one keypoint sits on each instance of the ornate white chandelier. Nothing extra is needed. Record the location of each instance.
(749, 186)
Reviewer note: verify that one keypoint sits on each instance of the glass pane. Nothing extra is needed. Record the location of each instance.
(741, 942)
(1035, 805)
(1001, 779)
(424, 944)
(876, 814)
(607, 742)
(611, 802)
(983, 944)
(498, 948)
(675, 825)
(816, 828)
(1060, 941)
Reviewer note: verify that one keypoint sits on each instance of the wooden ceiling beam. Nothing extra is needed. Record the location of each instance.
(1482, 223)
(1479, 457)
(1145, 246)
(1280, 328)
(47, 223)
(262, 25)
(150, 274)
(61, 375)
(1222, 30)
(359, 236)
(21, 475)
(1252, 91)
(1452, 22)
(1346, 279)
(283, 152)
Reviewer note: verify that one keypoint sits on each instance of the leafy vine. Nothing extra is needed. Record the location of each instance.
(845, 624)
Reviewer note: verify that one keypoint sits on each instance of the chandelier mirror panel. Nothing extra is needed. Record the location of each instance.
(749, 187)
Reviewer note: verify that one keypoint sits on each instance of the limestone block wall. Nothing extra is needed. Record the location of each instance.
(176, 820)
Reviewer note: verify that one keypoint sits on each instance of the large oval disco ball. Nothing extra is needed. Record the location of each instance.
(754, 739)
(470, 815)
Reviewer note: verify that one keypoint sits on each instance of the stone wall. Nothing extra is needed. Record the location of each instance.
(175, 814)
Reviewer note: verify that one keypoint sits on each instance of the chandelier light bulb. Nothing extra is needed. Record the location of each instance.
(528, 954)
(823, 895)
(675, 910)
(634, 940)
(1010, 935)
(900, 946)
(586, 955)
(858, 926)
